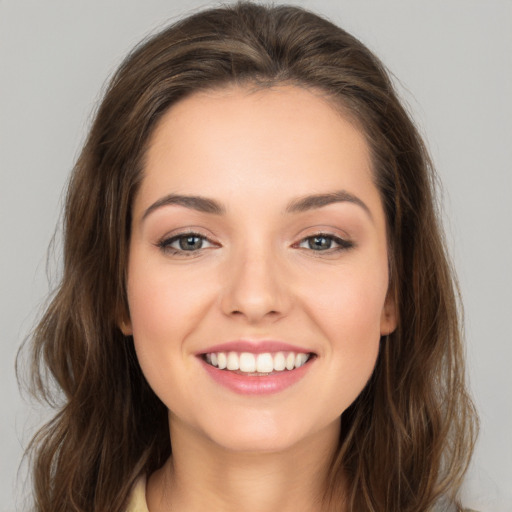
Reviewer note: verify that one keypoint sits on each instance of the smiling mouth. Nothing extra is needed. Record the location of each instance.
(249, 364)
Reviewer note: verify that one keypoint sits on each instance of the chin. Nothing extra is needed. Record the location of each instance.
(260, 443)
(262, 433)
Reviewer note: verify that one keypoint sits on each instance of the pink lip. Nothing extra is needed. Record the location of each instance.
(255, 347)
(257, 385)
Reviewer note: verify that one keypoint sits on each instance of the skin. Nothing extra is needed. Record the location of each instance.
(256, 277)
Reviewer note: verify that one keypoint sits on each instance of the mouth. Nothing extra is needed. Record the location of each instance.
(257, 365)
(260, 367)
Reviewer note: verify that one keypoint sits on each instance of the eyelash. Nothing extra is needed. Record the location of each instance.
(166, 244)
(342, 244)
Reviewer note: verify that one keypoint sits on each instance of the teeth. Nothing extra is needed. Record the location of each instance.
(233, 361)
(248, 362)
(221, 360)
(300, 359)
(279, 362)
(264, 363)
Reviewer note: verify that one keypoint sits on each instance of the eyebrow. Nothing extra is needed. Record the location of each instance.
(302, 204)
(312, 202)
(201, 204)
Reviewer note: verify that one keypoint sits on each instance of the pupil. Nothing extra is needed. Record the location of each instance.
(320, 242)
(189, 243)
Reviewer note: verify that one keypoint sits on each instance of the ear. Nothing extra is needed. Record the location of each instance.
(126, 327)
(388, 319)
(124, 323)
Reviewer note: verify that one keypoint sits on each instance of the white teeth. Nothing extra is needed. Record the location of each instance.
(221, 360)
(248, 362)
(264, 363)
(300, 359)
(233, 361)
(279, 362)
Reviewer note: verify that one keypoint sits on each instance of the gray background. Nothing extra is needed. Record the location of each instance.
(453, 60)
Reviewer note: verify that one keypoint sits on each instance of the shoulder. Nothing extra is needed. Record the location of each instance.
(137, 501)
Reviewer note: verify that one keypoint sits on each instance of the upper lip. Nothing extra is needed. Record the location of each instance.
(255, 347)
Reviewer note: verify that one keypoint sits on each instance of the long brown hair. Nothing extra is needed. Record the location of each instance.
(407, 439)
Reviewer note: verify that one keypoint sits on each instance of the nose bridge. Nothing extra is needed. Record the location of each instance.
(255, 288)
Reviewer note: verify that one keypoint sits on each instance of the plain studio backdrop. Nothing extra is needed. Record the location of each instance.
(453, 63)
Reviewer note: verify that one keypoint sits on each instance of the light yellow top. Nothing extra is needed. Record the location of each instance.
(137, 502)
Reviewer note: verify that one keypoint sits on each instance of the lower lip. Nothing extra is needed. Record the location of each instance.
(257, 385)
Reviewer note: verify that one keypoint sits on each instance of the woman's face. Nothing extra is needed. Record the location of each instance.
(258, 242)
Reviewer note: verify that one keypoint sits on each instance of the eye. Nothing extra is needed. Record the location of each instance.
(322, 242)
(185, 243)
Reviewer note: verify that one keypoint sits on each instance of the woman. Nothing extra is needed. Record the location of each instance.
(256, 311)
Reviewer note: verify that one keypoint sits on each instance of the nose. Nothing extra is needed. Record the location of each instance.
(256, 288)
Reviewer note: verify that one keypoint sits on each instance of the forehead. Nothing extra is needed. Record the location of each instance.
(235, 139)
(260, 113)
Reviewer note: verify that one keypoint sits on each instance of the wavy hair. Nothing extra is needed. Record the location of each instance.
(407, 439)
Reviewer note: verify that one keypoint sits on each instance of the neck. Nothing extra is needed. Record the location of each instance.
(202, 475)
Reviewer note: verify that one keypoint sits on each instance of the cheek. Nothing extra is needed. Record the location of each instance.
(348, 312)
(351, 302)
(164, 301)
(165, 306)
